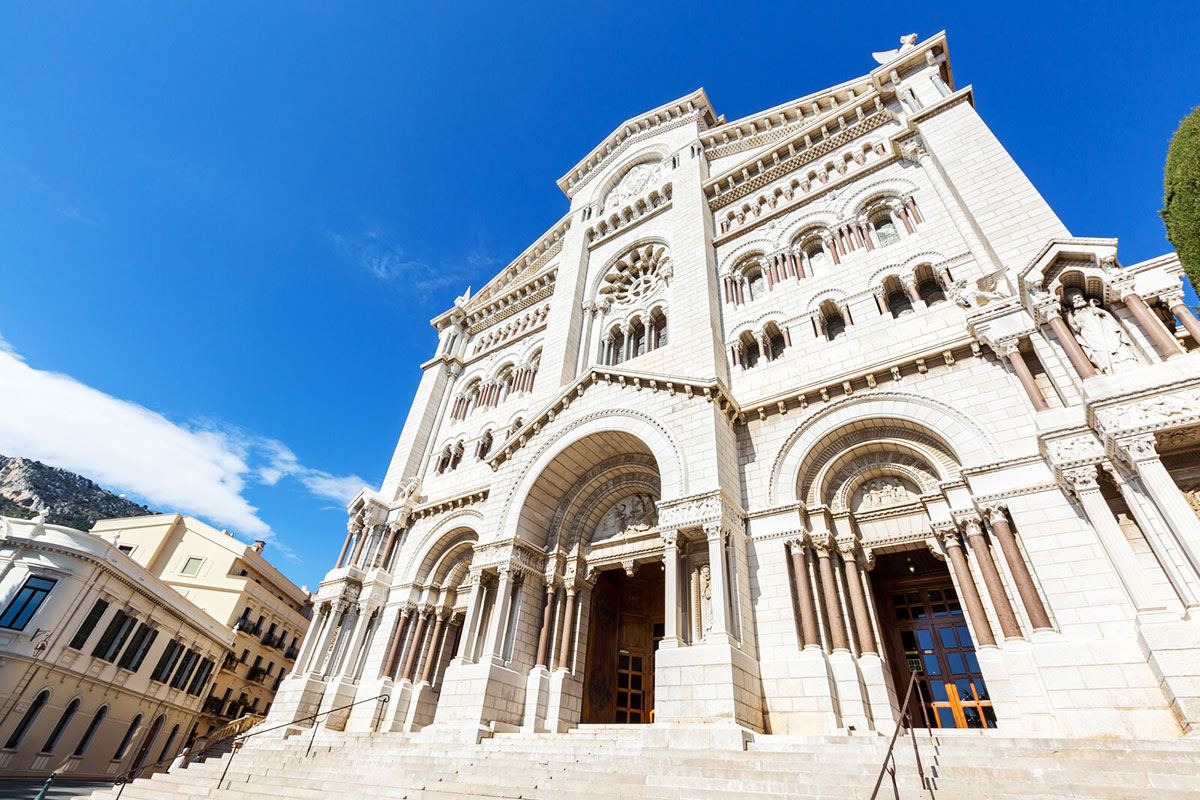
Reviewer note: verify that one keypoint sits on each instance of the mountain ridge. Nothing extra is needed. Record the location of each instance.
(28, 487)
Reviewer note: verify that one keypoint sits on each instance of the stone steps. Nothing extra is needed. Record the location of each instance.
(628, 764)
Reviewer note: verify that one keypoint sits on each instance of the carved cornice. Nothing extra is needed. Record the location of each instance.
(482, 322)
(447, 504)
(698, 511)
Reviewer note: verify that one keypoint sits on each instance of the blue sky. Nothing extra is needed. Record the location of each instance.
(225, 226)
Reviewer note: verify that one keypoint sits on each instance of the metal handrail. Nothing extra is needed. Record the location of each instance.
(889, 756)
(241, 738)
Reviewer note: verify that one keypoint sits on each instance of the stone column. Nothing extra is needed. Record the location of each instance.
(1152, 325)
(627, 343)
(358, 545)
(453, 370)
(336, 612)
(720, 582)
(494, 643)
(589, 317)
(804, 598)
(393, 533)
(315, 631)
(414, 647)
(1142, 453)
(1020, 572)
(670, 540)
(564, 646)
(547, 621)
(858, 598)
(833, 605)
(431, 651)
(1084, 483)
(345, 547)
(345, 640)
(973, 527)
(1174, 301)
(914, 295)
(1011, 349)
(393, 653)
(948, 535)
(1050, 313)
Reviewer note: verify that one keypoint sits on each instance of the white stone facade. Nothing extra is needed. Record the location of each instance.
(775, 368)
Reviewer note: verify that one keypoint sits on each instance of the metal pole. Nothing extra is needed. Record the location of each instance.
(46, 787)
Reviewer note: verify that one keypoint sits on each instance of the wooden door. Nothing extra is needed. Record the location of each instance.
(928, 635)
(626, 626)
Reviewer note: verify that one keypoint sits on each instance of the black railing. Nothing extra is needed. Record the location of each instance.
(292, 652)
(240, 739)
(889, 758)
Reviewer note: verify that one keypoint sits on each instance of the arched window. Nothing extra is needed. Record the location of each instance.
(61, 726)
(637, 338)
(442, 463)
(484, 446)
(127, 738)
(898, 300)
(27, 721)
(658, 329)
(775, 343)
(92, 727)
(833, 320)
(755, 284)
(814, 256)
(885, 230)
(929, 287)
(166, 751)
(456, 455)
(750, 351)
(616, 347)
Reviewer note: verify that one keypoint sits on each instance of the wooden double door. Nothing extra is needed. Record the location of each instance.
(927, 634)
(625, 627)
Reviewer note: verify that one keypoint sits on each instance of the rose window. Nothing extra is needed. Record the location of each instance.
(636, 275)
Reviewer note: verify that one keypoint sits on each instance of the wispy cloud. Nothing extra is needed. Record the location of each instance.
(201, 469)
(66, 203)
(379, 254)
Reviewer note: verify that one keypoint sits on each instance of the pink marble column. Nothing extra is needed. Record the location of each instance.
(804, 598)
(1149, 322)
(1185, 317)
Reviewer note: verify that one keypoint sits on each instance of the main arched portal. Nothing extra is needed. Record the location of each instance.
(594, 510)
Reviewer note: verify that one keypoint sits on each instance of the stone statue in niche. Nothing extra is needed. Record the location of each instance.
(633, 184)
(886, 491)
(705, 601)
(1100, 335)
(634, 514)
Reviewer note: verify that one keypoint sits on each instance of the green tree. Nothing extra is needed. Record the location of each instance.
(1181, 195)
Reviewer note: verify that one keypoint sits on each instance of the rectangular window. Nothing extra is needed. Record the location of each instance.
(135, 653)
(89, 624)
(166, 662)
(192, 565)
(186, 666)
(28, 600)
(114, 636)
(125, 548)
(198, 682)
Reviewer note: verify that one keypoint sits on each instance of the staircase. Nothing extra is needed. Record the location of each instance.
(618, 762)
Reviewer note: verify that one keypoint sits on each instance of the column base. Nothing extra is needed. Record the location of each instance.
(339, 692)
(299, 696)
(368, 717)
(537, 697)
(882, 703)
(706, 683)
(852, 691)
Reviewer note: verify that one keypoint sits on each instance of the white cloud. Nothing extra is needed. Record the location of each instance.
(375, 251)
(201, 469)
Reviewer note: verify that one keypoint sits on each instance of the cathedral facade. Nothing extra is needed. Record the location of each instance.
(786, 414)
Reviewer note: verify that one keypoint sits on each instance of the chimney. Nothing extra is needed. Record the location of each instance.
(258, 545)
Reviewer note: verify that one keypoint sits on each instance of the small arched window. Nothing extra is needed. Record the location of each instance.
(61, 726)
(484, 446)
(166, 751)
(815, 254)
(127, 738)
(833, 321)
(31, 715)
(775, 344)
(637, 336)
(658, 329)
(92, 727)
(755, 284)
(885, 231)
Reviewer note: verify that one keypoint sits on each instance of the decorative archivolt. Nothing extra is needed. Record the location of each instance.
(862, 201)
(451, 532)
(960, 439)
(641, 463)
(837, 482)
(582, 525)
(653, 156)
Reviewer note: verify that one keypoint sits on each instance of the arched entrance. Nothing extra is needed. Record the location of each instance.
(623, 634)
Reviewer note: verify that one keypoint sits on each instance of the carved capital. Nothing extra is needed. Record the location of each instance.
(1136, 449)
(714, 530)
(797, 544)
(1081, 479)
(995, 512)
(848, 548)
(946, 533)
(1045, 308)
(823, 545)
(971, 524)
(670, 538)
(913, 150)
(1006, 347)
(1172, 297)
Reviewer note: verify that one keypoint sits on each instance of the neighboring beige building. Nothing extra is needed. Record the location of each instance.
(103, 667)
(230, 580)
